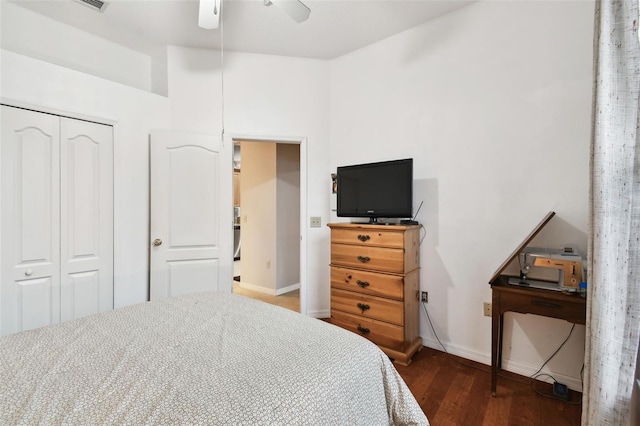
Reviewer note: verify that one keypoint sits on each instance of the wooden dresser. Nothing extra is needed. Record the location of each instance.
(375, 285)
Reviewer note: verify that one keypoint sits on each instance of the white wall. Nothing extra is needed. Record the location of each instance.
(287, 219)
(493, 102)
(279, 98)
(258, 216)
(135, 113)
(29, 33)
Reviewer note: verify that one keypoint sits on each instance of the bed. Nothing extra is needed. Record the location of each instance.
(209, 358)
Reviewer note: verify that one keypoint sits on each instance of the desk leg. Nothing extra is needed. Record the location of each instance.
(494, 352)
(496, 341)
(500, 334)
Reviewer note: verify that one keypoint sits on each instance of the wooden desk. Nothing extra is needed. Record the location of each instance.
(507, 297)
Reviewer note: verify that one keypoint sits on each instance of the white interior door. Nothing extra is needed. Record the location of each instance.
(191, 214)
(86, 174)
(30, 225)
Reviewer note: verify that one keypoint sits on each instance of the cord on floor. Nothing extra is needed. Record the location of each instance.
(531, 379)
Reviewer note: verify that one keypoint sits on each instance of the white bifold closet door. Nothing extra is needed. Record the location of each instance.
(56, 224)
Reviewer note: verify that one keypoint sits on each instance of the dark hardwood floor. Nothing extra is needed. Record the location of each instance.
(456, 391)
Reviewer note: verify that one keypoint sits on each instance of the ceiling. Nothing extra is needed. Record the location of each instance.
(334, 28)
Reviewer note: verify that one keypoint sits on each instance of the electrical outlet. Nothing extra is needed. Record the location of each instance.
(315, 221)
(487, 309)
(268, 264)
(425, 297)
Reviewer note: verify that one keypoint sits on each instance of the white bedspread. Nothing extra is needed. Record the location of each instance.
(211, 358)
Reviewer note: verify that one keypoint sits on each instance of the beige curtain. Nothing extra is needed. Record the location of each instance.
(613, 303)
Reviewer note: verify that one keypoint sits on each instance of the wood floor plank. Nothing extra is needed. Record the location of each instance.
(455, 391)
(498, 408)
(477, 402)
(455, 400)
(435, 396)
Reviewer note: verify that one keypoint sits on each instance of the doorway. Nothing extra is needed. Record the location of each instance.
(267, 220)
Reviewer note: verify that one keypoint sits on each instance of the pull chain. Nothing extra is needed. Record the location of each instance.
(222, 71)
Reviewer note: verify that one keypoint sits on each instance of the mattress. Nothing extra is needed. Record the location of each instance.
(209, 358)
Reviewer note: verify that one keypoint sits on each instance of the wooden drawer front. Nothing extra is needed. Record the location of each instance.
(373, 258)
(372, 283)
(380, 333)
(545, 306)
(368, 306)
(368, 237)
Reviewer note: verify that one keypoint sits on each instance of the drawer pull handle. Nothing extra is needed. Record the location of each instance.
(364, 259)
(364, 238)
(363, 307)
(546, 304)
(362, 284)
(363, 330)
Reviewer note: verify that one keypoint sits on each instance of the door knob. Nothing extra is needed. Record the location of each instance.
(157, 242)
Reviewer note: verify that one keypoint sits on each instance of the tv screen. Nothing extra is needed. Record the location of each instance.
(376, 190)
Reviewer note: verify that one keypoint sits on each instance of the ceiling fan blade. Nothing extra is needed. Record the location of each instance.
(209, 14)
(297, 10)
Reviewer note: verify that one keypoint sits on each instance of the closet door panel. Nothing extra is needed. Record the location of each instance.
(82, 294)
(30, 222)
(86, 167)
(36, 302)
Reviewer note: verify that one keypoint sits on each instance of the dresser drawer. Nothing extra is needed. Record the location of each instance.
(371, 283)
(368, 306)
(368, 237)
(371, 258)
(381, 333)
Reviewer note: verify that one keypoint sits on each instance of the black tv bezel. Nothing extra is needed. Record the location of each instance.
(406, 162)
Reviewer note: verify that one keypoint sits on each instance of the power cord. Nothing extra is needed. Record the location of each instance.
(533, 376)
(531, 379)
(447, 354)
(546, 395)
(432, 329)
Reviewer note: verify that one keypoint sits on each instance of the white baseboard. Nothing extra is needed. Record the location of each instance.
(574, 383)
(269, 291)
(257, 288)
(287, 289)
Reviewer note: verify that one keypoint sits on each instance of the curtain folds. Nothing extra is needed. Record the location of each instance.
(613, 303)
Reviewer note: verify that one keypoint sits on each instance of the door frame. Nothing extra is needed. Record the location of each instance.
(298, 140)
(61, 112)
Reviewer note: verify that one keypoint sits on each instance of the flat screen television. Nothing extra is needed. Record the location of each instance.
(376, 190)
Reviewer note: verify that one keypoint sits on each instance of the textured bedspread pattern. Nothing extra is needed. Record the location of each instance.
(210, 358)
